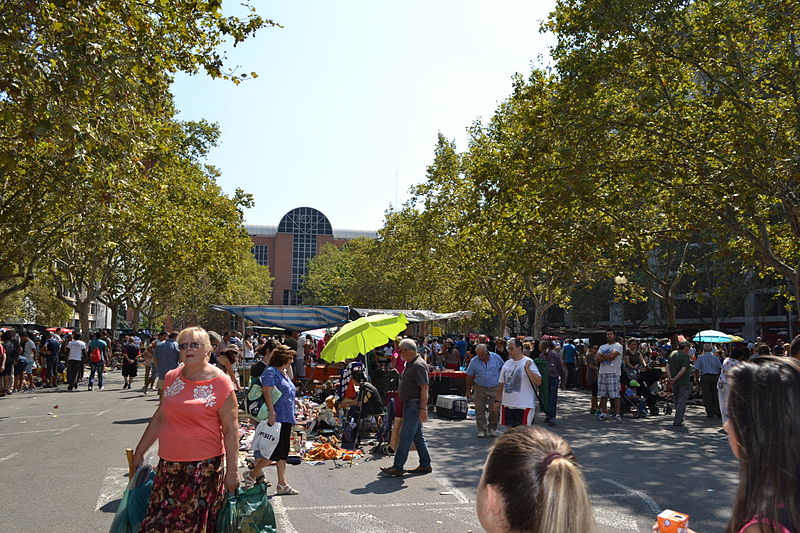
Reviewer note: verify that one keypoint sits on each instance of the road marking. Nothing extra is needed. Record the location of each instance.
(56, 431)
(445, 483)
(57, 414)
(364, 506)
(650, 502)
(615, 519)
(470, 519)
(113, 486)
(359, 522)
(101, 413)
(280, 514)
(7, 457)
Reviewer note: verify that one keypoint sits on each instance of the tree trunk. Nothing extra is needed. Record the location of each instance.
(82, 307)
(113, 309)
(137, 316)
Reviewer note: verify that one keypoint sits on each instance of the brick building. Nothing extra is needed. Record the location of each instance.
(287, 247)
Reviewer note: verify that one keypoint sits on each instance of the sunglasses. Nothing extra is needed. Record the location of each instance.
(192, 345)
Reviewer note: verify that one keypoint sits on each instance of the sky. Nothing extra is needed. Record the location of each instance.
(351, 95)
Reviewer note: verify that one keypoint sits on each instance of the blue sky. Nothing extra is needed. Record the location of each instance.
(351, 95)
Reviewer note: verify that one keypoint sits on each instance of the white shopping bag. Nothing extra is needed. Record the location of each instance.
(266, 438)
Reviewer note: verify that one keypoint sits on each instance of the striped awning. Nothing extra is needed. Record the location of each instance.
(296, 317)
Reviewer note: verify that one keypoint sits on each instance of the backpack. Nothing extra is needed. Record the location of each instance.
(96, 356)
(253, 402)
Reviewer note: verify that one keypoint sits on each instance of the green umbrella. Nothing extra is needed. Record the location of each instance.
(362, 335)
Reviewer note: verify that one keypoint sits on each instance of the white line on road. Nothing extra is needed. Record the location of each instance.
(448, 487)
(113, 486)
(368, 506)
(650, 502)
(101, 413)
(56, 431)
(360, 522)
(7, 457)
(55, 414)
(280, 514)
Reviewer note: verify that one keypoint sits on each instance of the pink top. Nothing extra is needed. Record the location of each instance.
(755, 521)
(398, 362)
(191, 430)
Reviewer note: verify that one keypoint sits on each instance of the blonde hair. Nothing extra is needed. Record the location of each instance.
(538, 478)
(198, 333)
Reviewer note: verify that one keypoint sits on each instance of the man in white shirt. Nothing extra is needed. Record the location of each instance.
(609, 358)
(77, 351)
(29, 353)
(516, 398)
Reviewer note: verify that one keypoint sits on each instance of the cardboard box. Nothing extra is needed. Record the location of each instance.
(670, 521)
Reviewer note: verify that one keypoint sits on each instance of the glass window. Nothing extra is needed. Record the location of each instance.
(261, 253)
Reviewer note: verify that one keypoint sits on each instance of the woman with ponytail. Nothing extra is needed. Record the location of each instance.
(531, 483)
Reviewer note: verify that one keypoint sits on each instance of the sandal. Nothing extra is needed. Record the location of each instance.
(248, 480)
(286, 490)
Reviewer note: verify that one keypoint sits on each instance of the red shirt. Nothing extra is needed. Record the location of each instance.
(191, 430)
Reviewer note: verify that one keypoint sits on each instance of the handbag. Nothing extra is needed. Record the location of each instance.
(254, 403)
(266, 438)
(247, 511)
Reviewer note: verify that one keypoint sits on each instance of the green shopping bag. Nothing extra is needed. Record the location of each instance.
(247, 511)
(135, 500)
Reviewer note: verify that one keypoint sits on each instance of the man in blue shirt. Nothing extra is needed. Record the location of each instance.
(483, 379)
(708, 367)
(52, 349)
(97, 367)
(166, 356)
(568, 355)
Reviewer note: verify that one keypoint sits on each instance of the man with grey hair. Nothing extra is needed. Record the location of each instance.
(483, 378)
(708, 368)
(413, 393)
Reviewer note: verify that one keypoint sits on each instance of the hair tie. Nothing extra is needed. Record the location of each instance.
(549, 459)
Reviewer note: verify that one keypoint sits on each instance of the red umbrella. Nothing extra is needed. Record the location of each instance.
(63, 330)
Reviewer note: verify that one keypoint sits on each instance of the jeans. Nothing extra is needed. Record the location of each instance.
(484, 396)
(680, 393)
(96, 367)
(572, 381)
(411, 432)
(73, 373)
(552, 384)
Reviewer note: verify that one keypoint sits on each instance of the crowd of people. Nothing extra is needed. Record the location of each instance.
(531, 480)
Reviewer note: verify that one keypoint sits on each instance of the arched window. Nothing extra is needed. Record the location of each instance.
(305, 223)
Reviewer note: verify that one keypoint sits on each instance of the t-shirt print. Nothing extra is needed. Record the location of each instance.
(206, 394)
(512, 379)
(174, 389)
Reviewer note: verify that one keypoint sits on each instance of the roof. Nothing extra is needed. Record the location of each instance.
(258, 230)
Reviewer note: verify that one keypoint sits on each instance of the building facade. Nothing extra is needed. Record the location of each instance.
(287, 248)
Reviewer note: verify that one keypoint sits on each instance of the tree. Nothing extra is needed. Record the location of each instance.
(704, 97)
(85, 92)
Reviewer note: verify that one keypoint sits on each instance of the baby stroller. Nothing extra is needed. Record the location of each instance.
(384, 433)
(633, 402)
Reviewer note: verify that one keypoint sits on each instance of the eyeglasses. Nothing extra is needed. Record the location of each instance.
(192, 345)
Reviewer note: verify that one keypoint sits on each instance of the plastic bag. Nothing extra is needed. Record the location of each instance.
(247, 511)
(266, 438)
(135, 500)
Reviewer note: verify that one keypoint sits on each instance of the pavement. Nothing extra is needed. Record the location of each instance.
(63, 466)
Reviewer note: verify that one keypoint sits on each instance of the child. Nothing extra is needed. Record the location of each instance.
(531, 483)
(630, 394)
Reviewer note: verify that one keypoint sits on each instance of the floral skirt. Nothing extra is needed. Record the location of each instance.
(186, 497)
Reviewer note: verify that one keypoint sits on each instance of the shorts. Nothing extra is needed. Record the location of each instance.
(594, 389)
(19, 368)
(29, 365)
(281, 452)
(608, 386)
(510, 416)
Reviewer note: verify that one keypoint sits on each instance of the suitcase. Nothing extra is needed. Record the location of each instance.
(451, 406)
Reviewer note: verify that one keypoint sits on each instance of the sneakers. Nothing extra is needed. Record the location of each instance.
(602, 416)
(617, 418)
(286, 490)
(389, 471)
(481, 434)
(492, 432)
(90, 386)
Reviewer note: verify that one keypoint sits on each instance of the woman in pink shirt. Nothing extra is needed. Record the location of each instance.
(196, 426)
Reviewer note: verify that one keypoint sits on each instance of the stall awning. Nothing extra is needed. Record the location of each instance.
(416, 315)
(296, 317)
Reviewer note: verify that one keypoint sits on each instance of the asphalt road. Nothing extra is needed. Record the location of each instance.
(63, 468)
